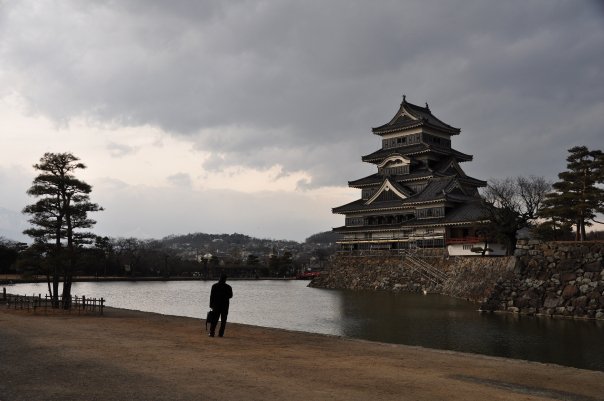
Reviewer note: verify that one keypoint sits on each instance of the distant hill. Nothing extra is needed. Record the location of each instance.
(241, 244)
(203, 239)
(325, 238)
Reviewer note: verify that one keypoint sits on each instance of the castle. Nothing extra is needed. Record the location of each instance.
(420, 197)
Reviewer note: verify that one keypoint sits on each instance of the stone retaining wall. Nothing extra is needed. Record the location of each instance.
(372, 273)
(470, 277)
(553, 278)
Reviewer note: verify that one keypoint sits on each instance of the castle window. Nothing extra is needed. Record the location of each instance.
(428, 213)
(397, 170)
(354, 221)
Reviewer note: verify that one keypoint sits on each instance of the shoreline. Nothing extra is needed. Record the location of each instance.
(128, 354)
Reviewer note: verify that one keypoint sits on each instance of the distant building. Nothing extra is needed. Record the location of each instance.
(419, 196)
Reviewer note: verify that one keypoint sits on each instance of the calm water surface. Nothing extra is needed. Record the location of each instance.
(430, 321)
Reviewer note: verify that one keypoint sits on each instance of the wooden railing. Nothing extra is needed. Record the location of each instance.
(34, 303)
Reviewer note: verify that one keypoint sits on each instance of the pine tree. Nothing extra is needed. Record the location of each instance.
(58, 215)
(577, 199)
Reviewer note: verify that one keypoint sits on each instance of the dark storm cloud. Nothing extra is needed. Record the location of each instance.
(301, 83)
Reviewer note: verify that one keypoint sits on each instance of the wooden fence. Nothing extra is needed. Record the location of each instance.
(38, 302)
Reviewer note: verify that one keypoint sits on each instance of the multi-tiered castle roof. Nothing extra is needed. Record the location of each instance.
(420, 195)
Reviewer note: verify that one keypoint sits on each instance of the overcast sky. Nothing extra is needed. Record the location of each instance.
(252, 116)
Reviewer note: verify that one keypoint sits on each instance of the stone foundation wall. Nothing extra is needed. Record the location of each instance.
(474, 277)
(470, 277)
(554, 278)
(383, 273)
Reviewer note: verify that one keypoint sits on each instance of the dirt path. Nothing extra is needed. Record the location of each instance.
(127, 355)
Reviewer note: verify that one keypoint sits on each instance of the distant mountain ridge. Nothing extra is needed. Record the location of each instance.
(198, 239)
(197, 245)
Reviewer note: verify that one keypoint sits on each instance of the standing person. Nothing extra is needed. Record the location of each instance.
(219, 302)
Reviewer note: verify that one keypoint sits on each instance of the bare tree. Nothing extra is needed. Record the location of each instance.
(512, 204)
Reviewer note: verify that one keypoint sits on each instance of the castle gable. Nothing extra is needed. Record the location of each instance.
(388, 191)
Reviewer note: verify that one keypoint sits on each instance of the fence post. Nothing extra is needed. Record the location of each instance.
(102, 301)
(4, 293)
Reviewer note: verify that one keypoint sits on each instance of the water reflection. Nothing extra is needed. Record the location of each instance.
(430, 321)
(439, 322)
(407, 318)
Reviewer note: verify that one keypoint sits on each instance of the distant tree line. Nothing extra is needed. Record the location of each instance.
(133, 258)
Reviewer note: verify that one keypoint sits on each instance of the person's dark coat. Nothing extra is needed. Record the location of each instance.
(220, 295)
(219, 302)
